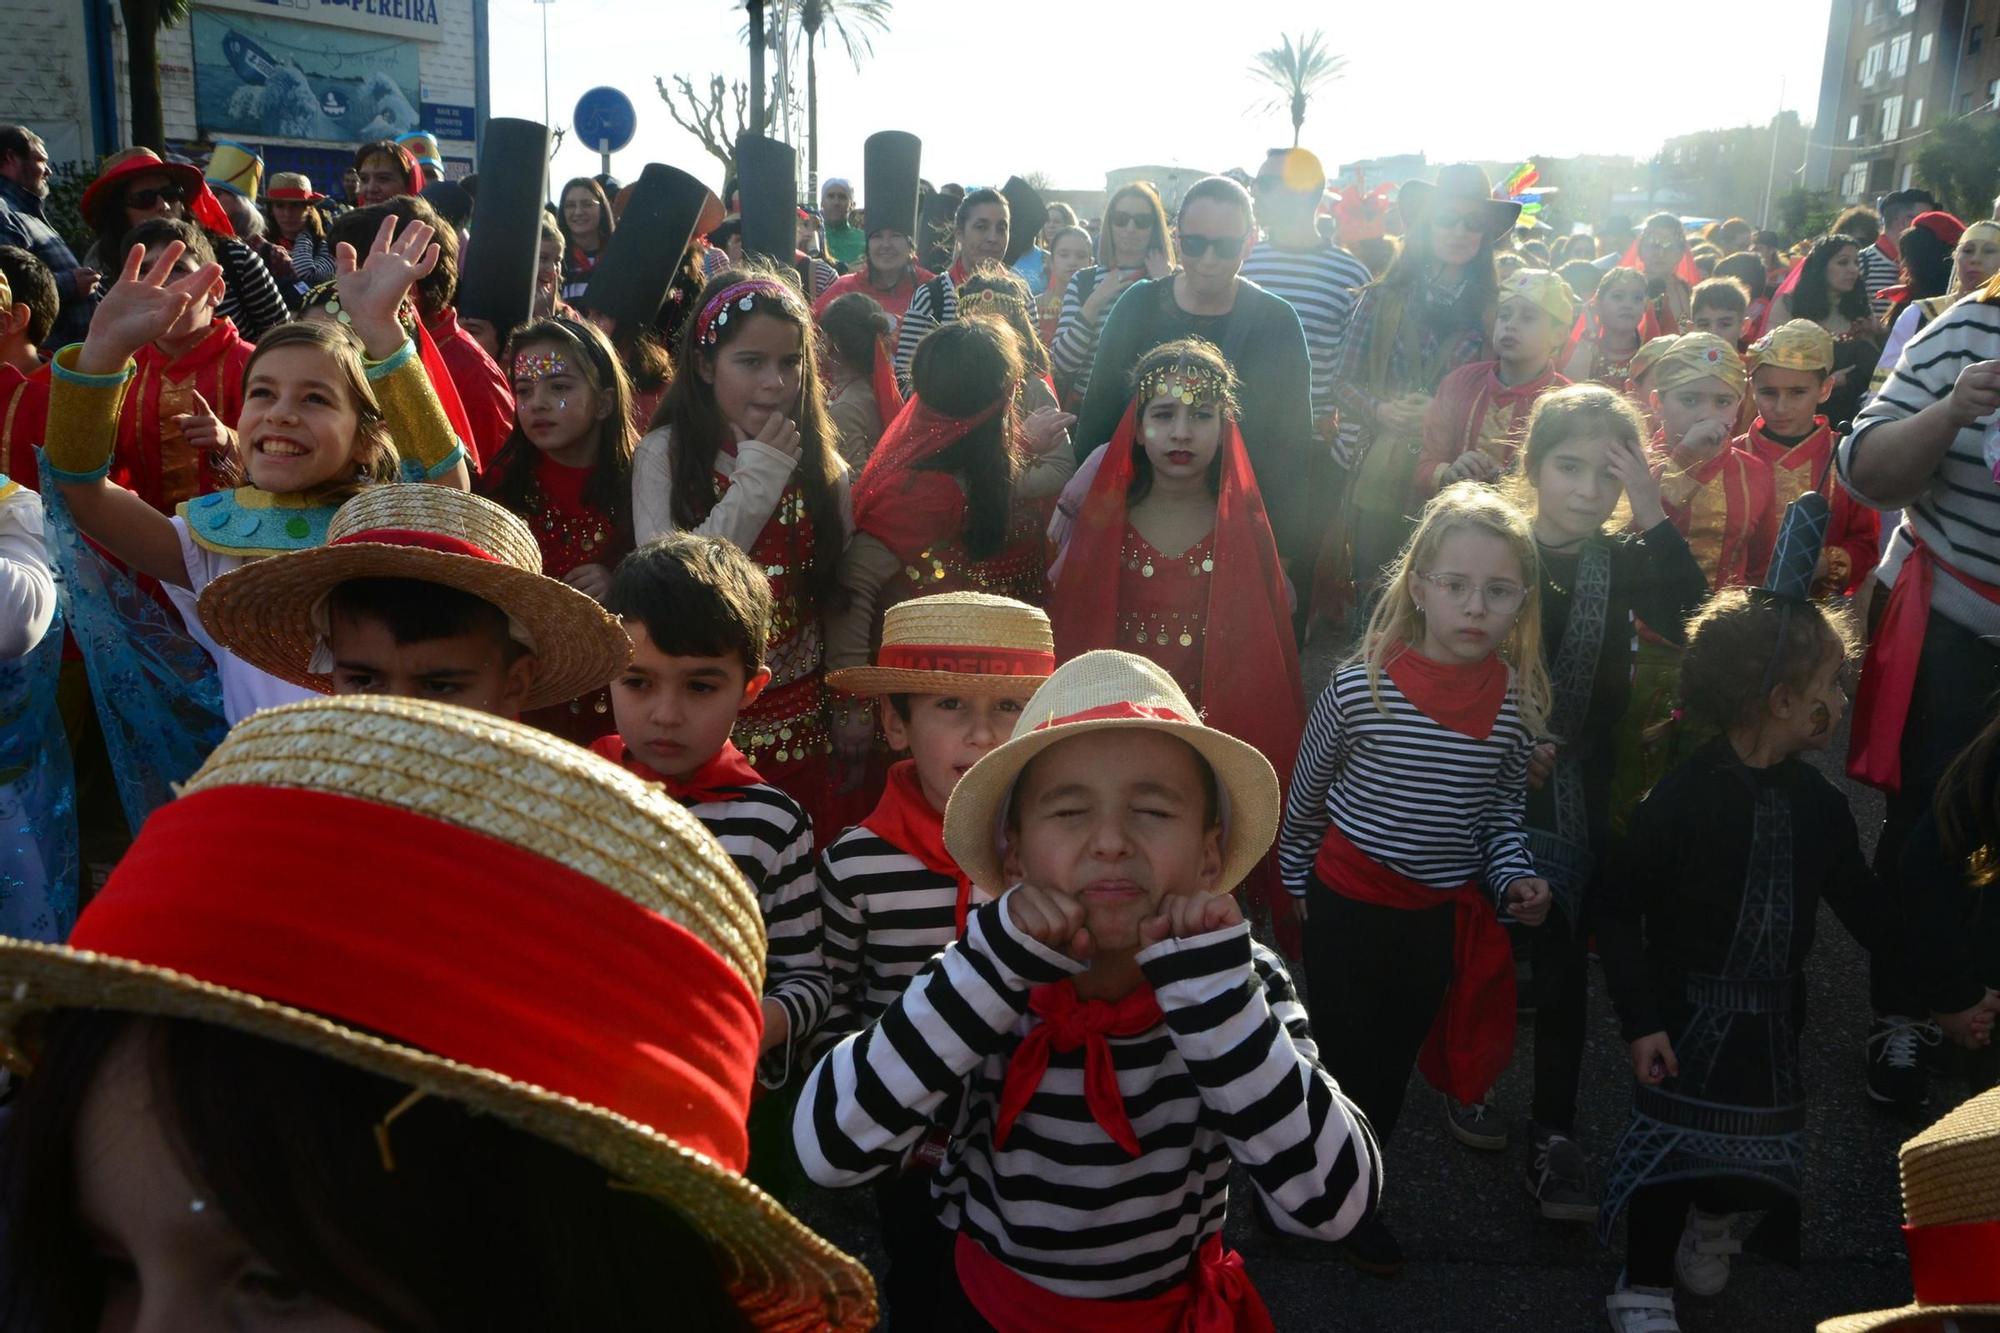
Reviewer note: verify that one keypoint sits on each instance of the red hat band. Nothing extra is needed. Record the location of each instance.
(429, 541)
(967, 659)
(451, 941)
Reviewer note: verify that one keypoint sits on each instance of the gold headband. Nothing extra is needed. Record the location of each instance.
(991, 298)
(1189, 381)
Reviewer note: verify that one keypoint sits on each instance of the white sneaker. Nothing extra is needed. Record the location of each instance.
(1641, 1309)
(1702, 1260)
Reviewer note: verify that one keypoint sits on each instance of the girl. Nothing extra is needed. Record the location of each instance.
(857, 362)
(1661, 253)
(743, 448)
(549, 302)
(1830, 293)
(318, 422)
(1172, 542)
(1585, 449)
(1135, 242)
(1704, 931)
(994, 292)
(1607, 335)
(1403, 827)
(382, 170)
(587, 225)
(1070, 252)
(566, 469)
(297, 227)
(1974, 258)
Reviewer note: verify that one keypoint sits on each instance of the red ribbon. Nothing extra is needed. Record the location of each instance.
(725, 772)
(1217, 1297)
(904, 819)
(429, 541)
(966, 659)
(1955, 1265)
(1070, 1021)
(444, 939)
(1122, 709)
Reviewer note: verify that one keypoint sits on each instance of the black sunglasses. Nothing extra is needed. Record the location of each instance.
(1120, 218)
(173, 194)
(1194, 247)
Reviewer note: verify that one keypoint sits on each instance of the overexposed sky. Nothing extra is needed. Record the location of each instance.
(1075, 87)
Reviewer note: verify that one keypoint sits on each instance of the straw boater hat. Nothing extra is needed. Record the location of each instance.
(1951, 1197)
(271, 613)
(956, 643)
(293, 187)
(570, 953)
(1099, 691)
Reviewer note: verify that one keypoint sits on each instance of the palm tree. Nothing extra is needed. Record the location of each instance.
(855, 23)
(1297, 72)
(143, 21)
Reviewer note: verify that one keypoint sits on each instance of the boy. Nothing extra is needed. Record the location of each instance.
(1720, 497)
(698, 614)
(1475, 426)
(1791, 374)
(28, 309)
(422, 592)
(1110, 1012)
(1719, 305)
(953, 674)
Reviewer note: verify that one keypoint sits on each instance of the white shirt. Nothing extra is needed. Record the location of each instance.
(758, 475)
(27, 588)
(245, 689)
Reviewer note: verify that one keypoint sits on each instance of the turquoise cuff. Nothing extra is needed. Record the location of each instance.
(413, 469)
(112, 380)
(62, 478)
(395, 361)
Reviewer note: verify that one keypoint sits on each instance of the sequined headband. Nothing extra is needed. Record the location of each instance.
(1189, 381)
(740, 296)
(991, 298)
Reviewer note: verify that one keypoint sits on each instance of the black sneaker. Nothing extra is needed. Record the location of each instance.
(1895, 1072)
(1475, 1124)
(1371, 1248)
(1559, 1179)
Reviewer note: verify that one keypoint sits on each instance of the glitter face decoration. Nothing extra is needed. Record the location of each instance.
(539, 365)
(1822, 720)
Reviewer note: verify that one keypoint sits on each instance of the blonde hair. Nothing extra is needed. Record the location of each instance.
(1396, 623)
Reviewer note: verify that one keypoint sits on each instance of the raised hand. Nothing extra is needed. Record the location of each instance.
(1183, 916)
(142, 306)
(1975, 393)
(1627, 461)
(1111, 284)
(1704, 439)
(1045, 428)
(372, 287)
(1653, 1059)
(1051, 918)
(1529, 900)
(202, 430)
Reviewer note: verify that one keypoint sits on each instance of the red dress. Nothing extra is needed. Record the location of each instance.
(1163, 607)
(1854, 537)
(152, 458)
(571, 532)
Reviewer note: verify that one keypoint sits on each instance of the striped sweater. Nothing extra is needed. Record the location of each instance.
(1429, 803)
(1231, 1075)
(1322, 284)
(933, 303)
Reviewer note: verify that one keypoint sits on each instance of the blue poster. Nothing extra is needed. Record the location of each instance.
(262, 77)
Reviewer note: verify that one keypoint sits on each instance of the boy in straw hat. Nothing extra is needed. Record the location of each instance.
(1109, 1011)
(1475, 425)
(423, 592)
(326, 1083)
(953, 674)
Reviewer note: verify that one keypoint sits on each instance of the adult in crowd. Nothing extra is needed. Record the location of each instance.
(24, 192)
(1034, 265)
(136, 186)
(1614, 236)
(1933, 664)
(979, 233)
(1881, 259)
(292, 205)
(382, 170)
(1943, 259)
(888, 272)
(587, 224)
(846, 242)
(1258, 332)
(1135, 241)
(235, 176)
(1830, 294)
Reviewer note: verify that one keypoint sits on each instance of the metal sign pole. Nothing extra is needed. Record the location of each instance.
(604, 155)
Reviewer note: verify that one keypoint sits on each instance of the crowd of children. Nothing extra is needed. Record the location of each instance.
(831, 773)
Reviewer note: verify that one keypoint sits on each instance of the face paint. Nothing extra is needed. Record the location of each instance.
(539, 365)
(1822, 720)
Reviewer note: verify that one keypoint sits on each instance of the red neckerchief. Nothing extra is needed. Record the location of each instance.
(904, 819)
(958, 273)
(905, 507)
(24, 416)
(1815, 450)
(1463, 697)
(1216, 1297)
(726, 772)
(1070, 1021)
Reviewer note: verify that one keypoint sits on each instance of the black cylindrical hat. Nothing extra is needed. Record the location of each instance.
(451, 200)
(1026, 216)
(890, 161)
(631, 278)
(766, 179)
(496, 279)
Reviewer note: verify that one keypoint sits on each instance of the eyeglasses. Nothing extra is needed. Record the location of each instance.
(1120, 218)
(173, 194)
(1459, 222)
(1501, 597)
(1194, 247)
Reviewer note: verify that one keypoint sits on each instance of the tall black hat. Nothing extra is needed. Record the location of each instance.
(767, 179)
(1026, 216)
(890, 161)
(496, 283)
(1795, 558)
(632, 277)
(451, 200)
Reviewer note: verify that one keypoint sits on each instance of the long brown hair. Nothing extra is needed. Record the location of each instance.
(1163, 233)
(993, 291)
(963, 369)
(608, 488)
(697, 429)
(374, 450)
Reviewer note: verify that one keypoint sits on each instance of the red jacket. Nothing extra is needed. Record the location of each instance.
(482, 388)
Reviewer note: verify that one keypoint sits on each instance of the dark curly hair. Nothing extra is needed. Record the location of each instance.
(1729, 671)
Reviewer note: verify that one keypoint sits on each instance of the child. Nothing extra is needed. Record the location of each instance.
(567, 468)
(28, 310)
(1586, 449)
(38, 853)
(698, 612)
(1171, 541)
(953, 675)
(422, 592)
(1403, 829)
(1121, 824)
(860, 372)
(1704, 930)
(1473, 428)
(1605, 339)
(1791, 377)
(1720, 305)
(743, 449)
(319, 423)
(1638, 385)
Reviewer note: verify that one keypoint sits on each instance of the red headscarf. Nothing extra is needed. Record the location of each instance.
(888, 395)
(904, 507)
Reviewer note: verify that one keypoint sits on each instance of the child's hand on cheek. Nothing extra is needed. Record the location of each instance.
(1184, 915)
(779, 432)
(1704, 438)
(1052, 919)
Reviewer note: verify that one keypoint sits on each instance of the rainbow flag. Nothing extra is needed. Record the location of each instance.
(1524, 176)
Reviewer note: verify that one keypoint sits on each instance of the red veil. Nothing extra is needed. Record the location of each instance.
(904, 507)
(1250, 666)
(882, 381)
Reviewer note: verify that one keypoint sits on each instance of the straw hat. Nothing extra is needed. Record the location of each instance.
(956, 643)
(1097, 691)
(1951, 1198)
(269, 611)
(293, 187)
(480, 911)
(234, 168)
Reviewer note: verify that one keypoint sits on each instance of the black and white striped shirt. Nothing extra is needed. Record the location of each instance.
(933, 303)
(1322, 285)
(770, 840)
(1231, 1075)
(1074, 348)
(1427, 802)
(1958, 515)
(1878, 271)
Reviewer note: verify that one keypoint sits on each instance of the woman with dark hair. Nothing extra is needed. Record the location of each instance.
(1831, 294)
(382, 170)
(587, 224)
(1135, 241)
(979, 232)
(1942, 260)
(297, 226)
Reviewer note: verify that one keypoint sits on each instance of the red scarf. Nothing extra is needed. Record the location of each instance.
(904, 819)
(888, 394)
(908, 508)
(1070, 1021)
(1217, 1297)
(724, 774)
(1464, 697)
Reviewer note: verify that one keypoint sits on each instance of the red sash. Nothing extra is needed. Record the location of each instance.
(1070, 1021)
(1889, 671)
(904, 819)
(725, 773)
(1217, 1297)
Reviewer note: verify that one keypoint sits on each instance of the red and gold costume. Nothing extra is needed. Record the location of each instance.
(24, 417)
(1472, 410)
(571, 532)
(1854, 537)
(1727, 508)
(152, 458)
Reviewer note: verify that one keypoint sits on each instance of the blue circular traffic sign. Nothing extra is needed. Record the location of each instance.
(605, 119)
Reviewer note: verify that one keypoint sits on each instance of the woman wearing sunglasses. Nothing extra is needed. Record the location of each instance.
(1134, 242)
(135, 187)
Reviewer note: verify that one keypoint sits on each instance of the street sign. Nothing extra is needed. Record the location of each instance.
(605, 120)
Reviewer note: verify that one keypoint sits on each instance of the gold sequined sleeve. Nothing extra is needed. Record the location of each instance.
(417, 421)
(83, 418)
